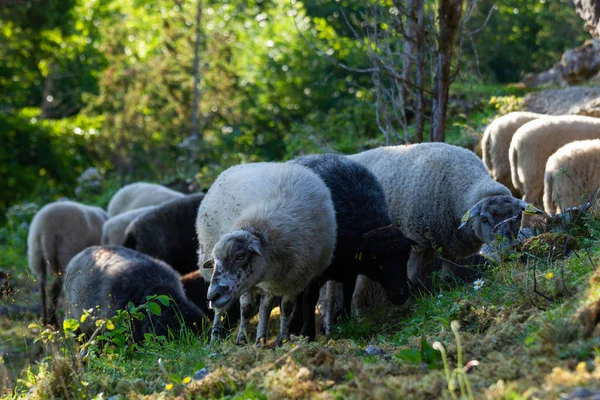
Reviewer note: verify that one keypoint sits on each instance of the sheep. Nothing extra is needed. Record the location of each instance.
(367, 242)
(496, 142)
(168, 233)
(57, 233)
(429, 187)
(113, 231)
(113, 276)
(536, 141)
(581, 162)
(138, 195)
(265, 225)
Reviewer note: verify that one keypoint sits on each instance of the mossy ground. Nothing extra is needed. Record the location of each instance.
(526, 327)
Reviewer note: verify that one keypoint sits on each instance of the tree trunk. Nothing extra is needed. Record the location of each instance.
(449, 15)
(409, 50)
(420, 64)
(196, 104)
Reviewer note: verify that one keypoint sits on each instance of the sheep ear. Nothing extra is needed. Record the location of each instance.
(208, 264)
(529, 209)
(255, 247)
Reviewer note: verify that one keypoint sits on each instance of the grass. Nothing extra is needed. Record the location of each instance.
(527, 344)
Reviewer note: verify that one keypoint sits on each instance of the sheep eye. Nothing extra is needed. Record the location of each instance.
(484, 220)
(240, 256)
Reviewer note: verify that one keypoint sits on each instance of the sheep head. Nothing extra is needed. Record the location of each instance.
(497, 217)
(385, 251)
(238, 265)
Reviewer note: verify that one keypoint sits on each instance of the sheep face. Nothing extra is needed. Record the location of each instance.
(238, 266)
(387, 252)
(496, 218)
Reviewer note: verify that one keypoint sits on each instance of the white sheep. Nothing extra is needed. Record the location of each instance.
(429, 188)
(113, 231)
(572, 175)
(536, 141)
(57, 233)
(265, 225)
(138, 195)
(110, 277)
(496, 142)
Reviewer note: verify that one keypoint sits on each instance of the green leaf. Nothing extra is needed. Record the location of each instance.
(119, 339)
(174, 378)
(154, 308)
(409, 355)
(70, 325)
(199, 365)
(164, 299)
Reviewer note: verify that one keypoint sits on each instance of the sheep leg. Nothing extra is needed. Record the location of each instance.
(415, 264)
(43, 296)
(264, 313)
(246, 314)
(329, 314)
(54, 294)
(309, 304)
(288, 303)
(218, 330)
(360, 296)
(446, 271)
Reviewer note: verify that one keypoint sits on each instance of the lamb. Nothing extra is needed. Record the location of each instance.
(429, 187)
(581, 162)
(57, 233)
(265, 225)
(536, 141)
(496, 142)
(168, 233)
(138, 195)
(367, 242)
(113, 231)
(113, 276)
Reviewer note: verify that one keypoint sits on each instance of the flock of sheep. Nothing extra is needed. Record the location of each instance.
(269, 234)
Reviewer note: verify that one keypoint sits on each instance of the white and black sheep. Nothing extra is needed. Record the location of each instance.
(265, 225)
(57, 233)
(536, 141)
(113, 230)
(572, 175)
(496, 142)
(113, 276)
(138, 195)
(367, 242)
(430, 187)
(168, 233)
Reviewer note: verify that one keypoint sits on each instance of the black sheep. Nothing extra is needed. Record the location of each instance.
(367, 242)
(168, 233)
(113, 276)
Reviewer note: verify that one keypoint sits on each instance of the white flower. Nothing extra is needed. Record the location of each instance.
(440, 296)
(478, 284)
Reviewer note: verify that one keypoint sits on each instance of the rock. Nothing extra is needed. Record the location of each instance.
(374, 351)
(571, 100)
(200, 374)
(589, 10)
(582, 394)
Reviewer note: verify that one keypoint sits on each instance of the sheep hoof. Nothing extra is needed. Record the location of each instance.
(261, 342)
(281, 340)
(241, 339)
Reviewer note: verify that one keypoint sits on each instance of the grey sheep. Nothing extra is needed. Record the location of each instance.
(112, 276)
(138, 195)
(536, 141)
(113, 231)
(57, 233)
(496, 142)
(572, 175)
(265, 225)
(168, 232)
(430, 188)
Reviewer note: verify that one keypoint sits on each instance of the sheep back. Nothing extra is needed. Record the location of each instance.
(428, 188)
(168, 233)
(138, 195)
(536, 141)
(496, 142)
(113, 230)
(581, 161)
(59, 231)
(288, 204)
(113, 276)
